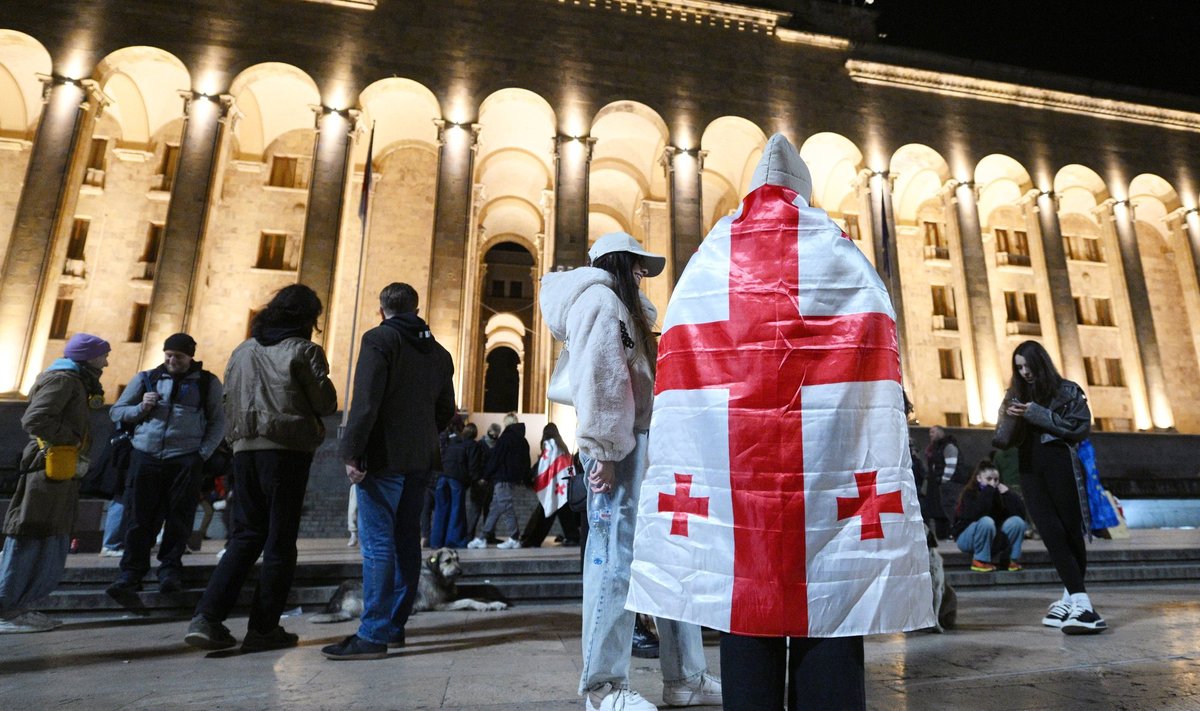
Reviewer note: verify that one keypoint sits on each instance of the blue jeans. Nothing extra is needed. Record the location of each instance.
(607, 625)
(977, 538)
(114, 533)
(30, 569)
(449, 525)
(389, 528)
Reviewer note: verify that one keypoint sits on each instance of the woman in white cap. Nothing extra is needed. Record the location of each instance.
(607, 323)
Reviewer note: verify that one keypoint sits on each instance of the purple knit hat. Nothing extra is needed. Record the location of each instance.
(85, 346)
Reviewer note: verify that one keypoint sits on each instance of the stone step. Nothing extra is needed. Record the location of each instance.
(1095, 574)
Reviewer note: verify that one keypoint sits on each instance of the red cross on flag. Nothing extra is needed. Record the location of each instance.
(779, 500)
(553, 471)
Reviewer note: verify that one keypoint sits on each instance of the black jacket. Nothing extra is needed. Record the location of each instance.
(509, 460)
(463, 460)
(403, 396)
(987, 501)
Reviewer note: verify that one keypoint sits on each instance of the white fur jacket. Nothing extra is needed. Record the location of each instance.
(612, 381)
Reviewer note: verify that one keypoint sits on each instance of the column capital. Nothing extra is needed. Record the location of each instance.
(588, 142)
(443, 125)
(352, 117)
(670, 153)
(225, 102)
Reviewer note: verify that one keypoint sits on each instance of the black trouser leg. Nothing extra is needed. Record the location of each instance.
(1053, 503)
(753, 672)
(537, 528)
(181, 495)
(826, 674)
(569, 521)
(144, 512)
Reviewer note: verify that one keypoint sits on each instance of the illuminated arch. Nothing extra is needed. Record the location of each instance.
(734, 146)
(834, 162)
(403, 113)
(274, 99)
(919, 172)
(22, 59)
(1001, 182)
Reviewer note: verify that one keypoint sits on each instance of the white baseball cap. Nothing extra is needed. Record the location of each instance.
(624, 242)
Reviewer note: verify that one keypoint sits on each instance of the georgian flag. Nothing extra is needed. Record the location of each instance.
(553, 471)
(779, 499)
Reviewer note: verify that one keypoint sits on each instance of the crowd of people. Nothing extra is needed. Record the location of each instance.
(406, 452)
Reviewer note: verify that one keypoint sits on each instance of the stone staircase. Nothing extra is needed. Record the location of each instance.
(552, 574)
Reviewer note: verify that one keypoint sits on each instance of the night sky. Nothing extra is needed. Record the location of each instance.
(1152, 43)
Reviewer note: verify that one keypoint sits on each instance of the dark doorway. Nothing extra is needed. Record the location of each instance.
(502, 383)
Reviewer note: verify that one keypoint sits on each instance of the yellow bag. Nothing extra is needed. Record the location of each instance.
(62, 460)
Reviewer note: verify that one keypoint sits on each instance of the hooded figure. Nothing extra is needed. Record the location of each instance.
(779, 501)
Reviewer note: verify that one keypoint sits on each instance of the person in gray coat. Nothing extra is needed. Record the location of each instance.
(178, 423)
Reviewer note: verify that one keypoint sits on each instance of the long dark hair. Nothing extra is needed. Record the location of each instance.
(1046, 378)
(621, 265)
(294, 306)
(971, 488)
(550, 432)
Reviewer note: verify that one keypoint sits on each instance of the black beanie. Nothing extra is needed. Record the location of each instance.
(182, 343)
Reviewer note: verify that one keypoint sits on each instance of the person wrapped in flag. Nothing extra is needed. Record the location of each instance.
(607, 324)
(779, 505)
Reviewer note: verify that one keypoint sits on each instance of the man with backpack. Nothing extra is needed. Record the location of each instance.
(178, 422)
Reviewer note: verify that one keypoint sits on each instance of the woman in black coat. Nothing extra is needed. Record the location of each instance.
(1047, 416)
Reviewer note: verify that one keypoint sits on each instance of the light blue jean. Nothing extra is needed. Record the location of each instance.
(607, 625)
(114, 536)
(389, 527)
(977, 538)
(30, 569)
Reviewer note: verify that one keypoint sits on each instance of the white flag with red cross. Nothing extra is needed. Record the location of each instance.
(779, 500)
(553, 471)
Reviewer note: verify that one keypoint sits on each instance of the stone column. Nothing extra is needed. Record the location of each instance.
(451, 230)
(1143, 318)
(887, 259)
(572, 172)
(326, 204)
(684, 168)
(979, 301)
(1191, 217)
(187, 216)
(28, 272)
(1058, 278)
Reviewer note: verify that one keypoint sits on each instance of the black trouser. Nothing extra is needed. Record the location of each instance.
(427, 506)
(1052, 499)
(479, 499)
(161, 493)
(811, 673)
(268, 496)
(539, 525)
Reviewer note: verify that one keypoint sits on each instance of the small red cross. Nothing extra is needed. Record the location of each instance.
(682, 503)
(869, 505)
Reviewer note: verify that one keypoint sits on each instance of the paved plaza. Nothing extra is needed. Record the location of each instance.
(528, 657)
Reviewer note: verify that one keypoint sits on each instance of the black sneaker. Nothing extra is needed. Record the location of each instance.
(1083, 621)
(170, 585)
(355, 647)
(396, 642)
(209, 635)
(645, 643)
(1057, 614)
(125, 591)
(278, 638)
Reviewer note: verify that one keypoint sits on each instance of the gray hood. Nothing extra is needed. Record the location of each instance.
(560, 291)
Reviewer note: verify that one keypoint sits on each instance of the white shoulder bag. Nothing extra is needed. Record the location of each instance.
(559, 389)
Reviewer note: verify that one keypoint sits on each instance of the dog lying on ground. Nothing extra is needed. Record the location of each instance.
(435, 591)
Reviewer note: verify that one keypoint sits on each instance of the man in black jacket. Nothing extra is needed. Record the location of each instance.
(403, 396)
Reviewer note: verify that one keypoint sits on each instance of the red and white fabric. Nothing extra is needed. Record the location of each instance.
(780, 500)
(553, 471)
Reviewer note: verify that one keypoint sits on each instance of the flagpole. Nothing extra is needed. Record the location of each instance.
(364, 213)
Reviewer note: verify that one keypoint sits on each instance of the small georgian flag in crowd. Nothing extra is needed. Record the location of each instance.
(779, 499)
(553, 471)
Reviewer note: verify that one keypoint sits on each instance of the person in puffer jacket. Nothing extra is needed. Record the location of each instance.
(277, 389)
(606, 323)
(175, 409)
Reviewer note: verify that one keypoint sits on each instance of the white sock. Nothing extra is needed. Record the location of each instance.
(1081, 600)
(1066, 596)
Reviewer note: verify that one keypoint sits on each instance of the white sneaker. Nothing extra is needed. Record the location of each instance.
(704, 691)
(619, 700)
(26, 622)
(40, 619)
(111, 553)
(477, 543)
(509, 544)
(353, 540)
(1057, 614)
(1083, 620)
(220, 553)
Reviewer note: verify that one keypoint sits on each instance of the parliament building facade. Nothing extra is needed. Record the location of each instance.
(166, 166)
